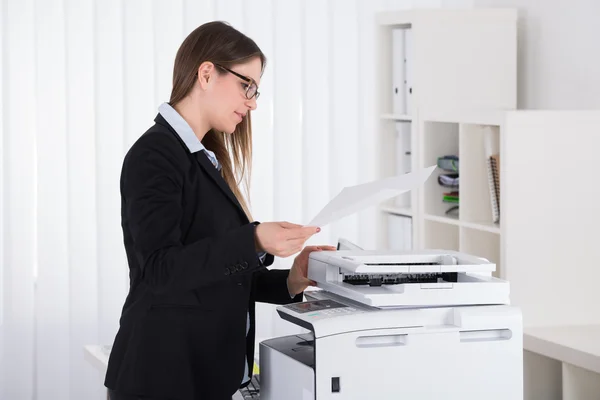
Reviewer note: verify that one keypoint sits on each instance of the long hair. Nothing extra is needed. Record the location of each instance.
(220, 43)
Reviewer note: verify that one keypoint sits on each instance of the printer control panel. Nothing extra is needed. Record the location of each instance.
(321, 308)
(321, 315)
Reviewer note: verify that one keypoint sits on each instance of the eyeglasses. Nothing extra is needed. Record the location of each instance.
(251, 86)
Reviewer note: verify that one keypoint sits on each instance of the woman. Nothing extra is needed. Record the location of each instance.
(197, 262)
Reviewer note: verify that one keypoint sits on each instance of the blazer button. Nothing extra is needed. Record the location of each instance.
(239, 267)
(226, 271)
(245, 265)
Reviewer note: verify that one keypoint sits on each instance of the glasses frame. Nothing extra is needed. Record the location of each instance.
(247, 79)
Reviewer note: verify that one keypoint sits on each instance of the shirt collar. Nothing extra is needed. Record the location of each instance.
(185, 132)
(182, 128)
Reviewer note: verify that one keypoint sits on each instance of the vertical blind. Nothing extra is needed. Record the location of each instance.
(81, 80)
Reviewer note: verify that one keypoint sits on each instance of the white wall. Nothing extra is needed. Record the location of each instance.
(559, 52)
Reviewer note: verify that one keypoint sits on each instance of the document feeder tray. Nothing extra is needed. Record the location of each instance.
(393, 279)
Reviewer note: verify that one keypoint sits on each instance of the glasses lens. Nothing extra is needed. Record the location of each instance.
(251, 91)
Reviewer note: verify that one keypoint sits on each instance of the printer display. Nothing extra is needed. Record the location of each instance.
(430, 324)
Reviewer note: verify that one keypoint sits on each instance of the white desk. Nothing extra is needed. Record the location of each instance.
(577, 348)
(97, 356)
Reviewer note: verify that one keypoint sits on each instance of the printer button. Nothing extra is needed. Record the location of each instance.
(335, 385)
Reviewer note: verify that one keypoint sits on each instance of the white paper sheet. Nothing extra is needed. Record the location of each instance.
(355, 198)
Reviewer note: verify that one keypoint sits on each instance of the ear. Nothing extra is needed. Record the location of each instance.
(206, 74)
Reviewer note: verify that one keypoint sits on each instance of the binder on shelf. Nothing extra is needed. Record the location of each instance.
(448, 163)
(409, 56)
(402, 74)
(403, 159)
(492, 159)
(398, 72)
(399, 232)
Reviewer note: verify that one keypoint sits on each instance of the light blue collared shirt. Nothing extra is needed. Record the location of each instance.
(194, 144)
(185, 132)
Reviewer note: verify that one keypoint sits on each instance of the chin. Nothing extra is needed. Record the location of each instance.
(230, 128)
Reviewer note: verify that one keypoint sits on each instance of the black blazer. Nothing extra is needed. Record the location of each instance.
(194, 274)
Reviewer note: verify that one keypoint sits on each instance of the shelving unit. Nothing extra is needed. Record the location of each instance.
(464, 135)
(472, 229)
(397, 117)
(436, 99)
(395, 210)
(461, 85)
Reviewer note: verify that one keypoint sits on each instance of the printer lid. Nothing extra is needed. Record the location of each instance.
(415, 278)
(409, 262)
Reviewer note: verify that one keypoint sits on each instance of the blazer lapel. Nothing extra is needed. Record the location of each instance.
(218, 179)
(207, 165)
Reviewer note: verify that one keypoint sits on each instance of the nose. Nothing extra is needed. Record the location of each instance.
(251, 104)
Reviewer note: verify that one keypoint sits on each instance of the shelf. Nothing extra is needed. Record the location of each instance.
(444, 220)
(397, 117)
(467, 116)
(402, 18)
(405, 211)
(482, 226)
(488, 227)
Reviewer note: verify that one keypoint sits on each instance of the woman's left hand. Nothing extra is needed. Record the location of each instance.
(297, 280)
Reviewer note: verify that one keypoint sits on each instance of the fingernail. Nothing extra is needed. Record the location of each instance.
(318, 229)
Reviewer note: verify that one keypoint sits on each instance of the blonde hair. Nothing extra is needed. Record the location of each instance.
(234, 152)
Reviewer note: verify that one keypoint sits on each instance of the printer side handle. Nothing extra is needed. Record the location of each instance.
(381, 340)
(465, 336)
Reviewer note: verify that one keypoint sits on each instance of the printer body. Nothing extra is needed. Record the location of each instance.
(431, 324)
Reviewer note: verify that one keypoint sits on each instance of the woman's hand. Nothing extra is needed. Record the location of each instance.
(282, 239)
(297, 280)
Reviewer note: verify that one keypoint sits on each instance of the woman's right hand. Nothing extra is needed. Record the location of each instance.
(282, 239)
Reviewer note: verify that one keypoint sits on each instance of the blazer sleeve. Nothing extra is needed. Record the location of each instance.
(151, 188)
(271, 287)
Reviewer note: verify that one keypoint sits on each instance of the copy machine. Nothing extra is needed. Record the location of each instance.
(387, 325)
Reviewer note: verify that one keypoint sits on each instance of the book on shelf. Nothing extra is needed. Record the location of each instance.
(451, 197)
(492, 158)
(494, 183)
(449, 180)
